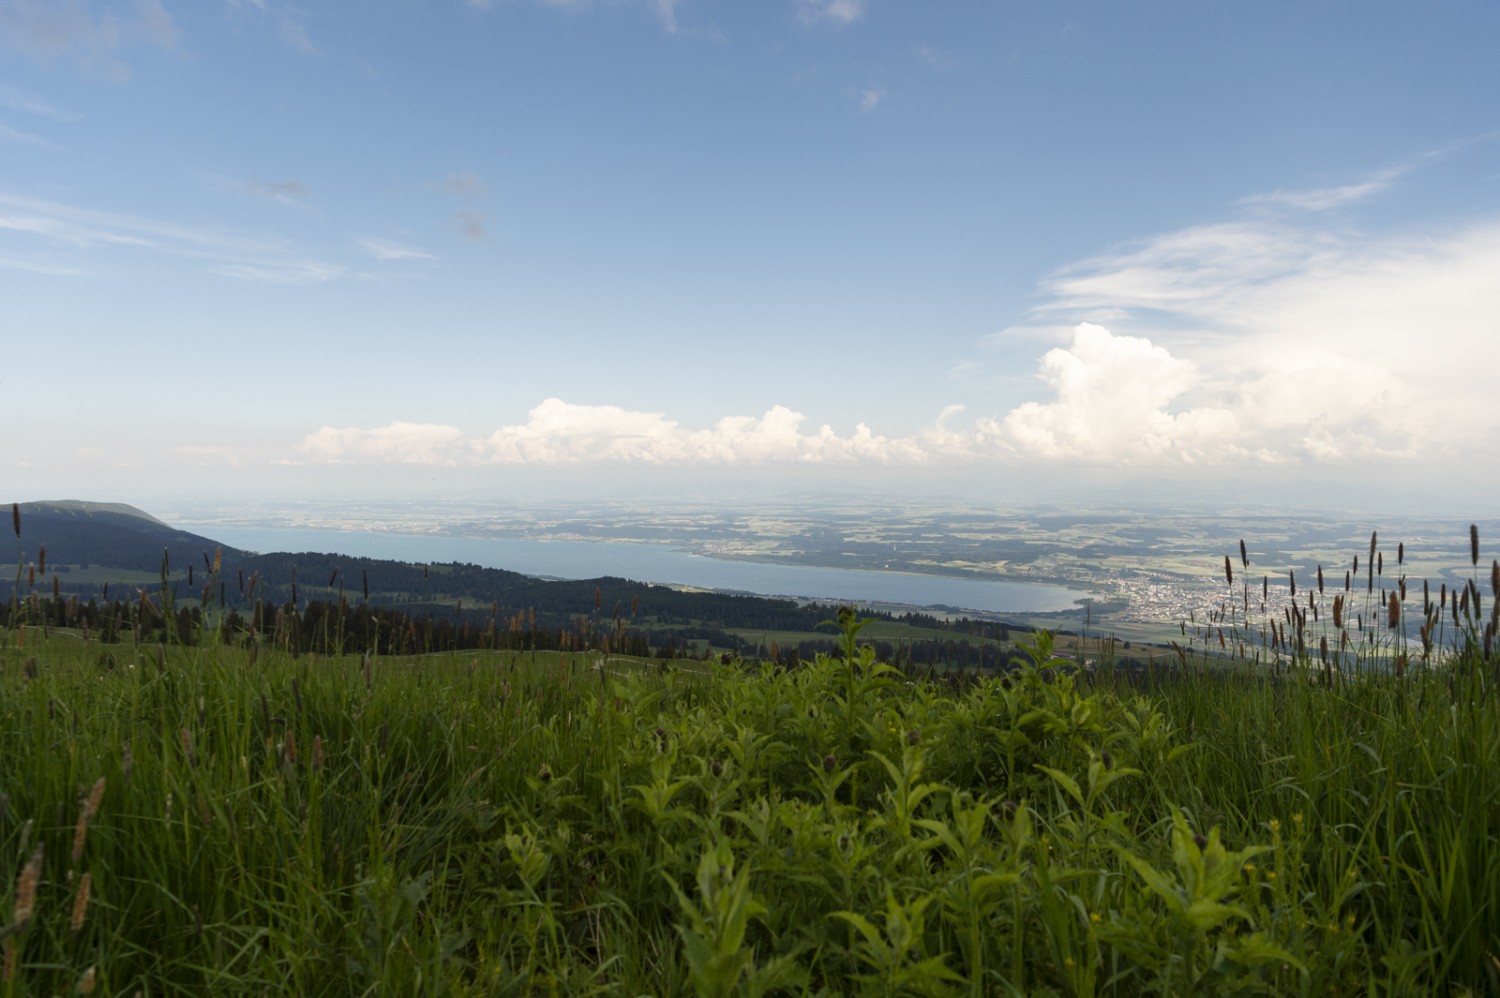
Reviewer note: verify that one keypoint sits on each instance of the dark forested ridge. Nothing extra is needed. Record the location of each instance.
(83, 534)
(183, 586)
(59, 538)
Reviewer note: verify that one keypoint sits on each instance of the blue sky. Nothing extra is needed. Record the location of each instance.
(248, 246)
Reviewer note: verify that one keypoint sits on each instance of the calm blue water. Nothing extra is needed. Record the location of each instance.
(662, 564)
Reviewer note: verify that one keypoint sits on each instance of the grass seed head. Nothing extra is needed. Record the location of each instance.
(81, 902)
(15, 517)
(31, 875)
(90, 808)
(1474, 543)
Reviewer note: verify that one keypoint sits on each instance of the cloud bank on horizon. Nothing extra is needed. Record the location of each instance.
(1266, 339)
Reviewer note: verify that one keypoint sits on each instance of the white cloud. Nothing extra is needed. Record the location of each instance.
(215, 250)
(564, 433)
(285, 191)
(869, 98)
(1272, 337)
(294, 33)
(836, 11)
(1325, 198)
(1111, 398)
(389, 249)
(397, 443)
(666, 12)
(286, 271)
(285, 18)
(34, 266)
(936, 58)
(8, 134)
(19, 101)
(557, 432)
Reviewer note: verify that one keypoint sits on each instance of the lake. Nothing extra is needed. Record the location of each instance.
(664, 565)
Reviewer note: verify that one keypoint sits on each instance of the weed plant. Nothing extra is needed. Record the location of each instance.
(213, 820)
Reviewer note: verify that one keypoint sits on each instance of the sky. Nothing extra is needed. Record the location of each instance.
(1000, 249)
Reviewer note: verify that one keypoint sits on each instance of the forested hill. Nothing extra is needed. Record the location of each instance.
(119, 537)
(109, 534)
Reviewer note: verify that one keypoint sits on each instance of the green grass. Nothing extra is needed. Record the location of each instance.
(518, 824)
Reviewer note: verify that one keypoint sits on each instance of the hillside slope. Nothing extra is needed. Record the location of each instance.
(77, 532)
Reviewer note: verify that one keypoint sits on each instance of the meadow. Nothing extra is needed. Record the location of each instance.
(1304, 801)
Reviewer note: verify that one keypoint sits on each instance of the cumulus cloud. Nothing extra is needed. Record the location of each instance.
(869, 97)
(558, 432)
(396, 443)
(1111, 398)
(562, 433)
(1273, 336)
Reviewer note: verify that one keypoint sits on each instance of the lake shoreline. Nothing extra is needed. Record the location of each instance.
(672, 565)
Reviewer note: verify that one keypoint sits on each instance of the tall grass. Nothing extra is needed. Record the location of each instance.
(206, 819)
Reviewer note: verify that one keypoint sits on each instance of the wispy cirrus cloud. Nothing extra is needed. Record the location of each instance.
(32, 265)
(869, 98)
(1326, 198)
(388, 249)
(293, 32)
(94, 241)
(17, 100)
(284, 191)
(936, 58)
(8, 134)
(285, 19)
(91, 34)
